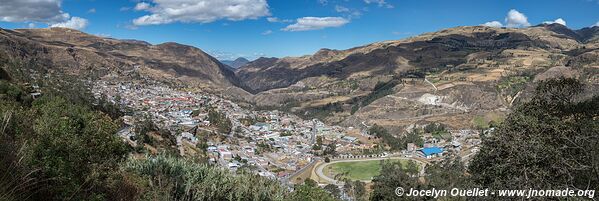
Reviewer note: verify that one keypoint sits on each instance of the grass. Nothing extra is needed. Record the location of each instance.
(484, 122)
(358, 170)
(480, 122)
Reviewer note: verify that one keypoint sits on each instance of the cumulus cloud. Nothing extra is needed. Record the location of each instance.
(73, 23)
(142, 6)
(316, 23)
(516, 19)
(557, 21)
(493, 24)
(381, 3)
(40, 11)
(46, 11)
(595, 25)
(202, 11)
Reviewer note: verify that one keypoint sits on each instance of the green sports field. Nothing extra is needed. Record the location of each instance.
(357, 170)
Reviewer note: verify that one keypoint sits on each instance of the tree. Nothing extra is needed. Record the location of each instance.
(550, 142)
(393, 142)
(220, 120)
(143, 128)
(74, 142)
(414, 137)
(316, 147)
(310, 182)
(331, 149)
(356, 189)
(447, 174)
(309, 192)
(393, 175)
(319, 140)
(333, 190)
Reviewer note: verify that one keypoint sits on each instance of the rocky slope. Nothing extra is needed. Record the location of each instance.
(76, 53)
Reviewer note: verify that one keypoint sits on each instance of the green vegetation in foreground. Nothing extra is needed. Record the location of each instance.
(358, 170)
(53, 148)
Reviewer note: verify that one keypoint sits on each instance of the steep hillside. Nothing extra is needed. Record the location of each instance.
(463, 76)
(87, 56)
(432, 51)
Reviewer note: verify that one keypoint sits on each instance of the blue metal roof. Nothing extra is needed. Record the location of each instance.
(431, 150)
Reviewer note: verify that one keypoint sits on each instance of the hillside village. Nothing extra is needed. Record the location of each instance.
(273, 144)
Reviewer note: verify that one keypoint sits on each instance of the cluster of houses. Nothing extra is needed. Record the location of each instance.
(271, 143)
(463, 142)
(274, 143)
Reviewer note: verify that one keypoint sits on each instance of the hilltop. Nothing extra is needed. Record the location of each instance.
(36, 52)
(239, 62)
(463, 76)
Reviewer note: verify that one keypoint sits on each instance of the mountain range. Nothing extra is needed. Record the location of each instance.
(463, 76)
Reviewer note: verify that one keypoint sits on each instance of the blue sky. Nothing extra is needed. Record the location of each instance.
(277, 28)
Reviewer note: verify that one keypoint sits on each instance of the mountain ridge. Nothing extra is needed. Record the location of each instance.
(323, 56)
(449, 76)
(76, 52)
(237, 63)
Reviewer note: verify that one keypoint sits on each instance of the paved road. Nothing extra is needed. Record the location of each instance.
(320, 167)
(301, 170)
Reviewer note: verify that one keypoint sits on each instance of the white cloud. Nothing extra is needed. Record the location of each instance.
(381, 3)
(73, 23)
(202, 11)
(142, 6)
(341, 9)
(516, 19)
(557, 21)
(92, 10)
(275, 19)
(46, 11)
(40, 11)
(31, 25)
(316, 23)
(493, 24)
(323, 2)
(595, 25)
(349, 13)
(267, 32)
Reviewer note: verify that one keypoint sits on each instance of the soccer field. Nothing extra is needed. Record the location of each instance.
(357, 170)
